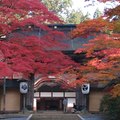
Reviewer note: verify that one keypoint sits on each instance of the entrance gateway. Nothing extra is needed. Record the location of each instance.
(53, 100)
(49, 96)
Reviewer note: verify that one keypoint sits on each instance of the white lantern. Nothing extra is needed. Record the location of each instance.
(23, 87)
(85, 88)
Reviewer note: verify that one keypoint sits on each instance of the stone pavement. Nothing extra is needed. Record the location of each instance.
(15, 116)
(51, 115)
(54, 115)
(88, 116)
(59, 115)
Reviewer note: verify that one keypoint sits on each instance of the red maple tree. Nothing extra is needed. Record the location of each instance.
(102, 52)
(21, 50)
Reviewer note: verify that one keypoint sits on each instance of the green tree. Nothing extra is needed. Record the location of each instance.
(63, 9)
(85, 17)
(97, 13)
(60, 7)
(76, 17)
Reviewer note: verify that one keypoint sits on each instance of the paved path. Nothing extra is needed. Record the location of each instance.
(54, 116)
(59, 115)
(51, 115)
(15, 116)
(92, 117)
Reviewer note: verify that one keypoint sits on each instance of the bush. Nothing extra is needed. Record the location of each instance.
(111, 106)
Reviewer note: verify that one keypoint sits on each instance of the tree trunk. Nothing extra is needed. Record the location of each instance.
(30, 94)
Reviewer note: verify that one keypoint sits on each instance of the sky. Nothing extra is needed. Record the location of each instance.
(91, 5)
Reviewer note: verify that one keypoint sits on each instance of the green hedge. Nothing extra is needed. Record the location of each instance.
(111, 106)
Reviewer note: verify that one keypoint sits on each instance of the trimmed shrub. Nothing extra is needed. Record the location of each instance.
(111, 106)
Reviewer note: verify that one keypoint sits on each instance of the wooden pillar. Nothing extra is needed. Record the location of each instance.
(80, 99)
(30, 94)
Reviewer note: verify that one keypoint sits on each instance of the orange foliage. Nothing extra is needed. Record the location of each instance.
(103, 51)
(114, 11)
(99, 64)
(94, 26)
(116, 90)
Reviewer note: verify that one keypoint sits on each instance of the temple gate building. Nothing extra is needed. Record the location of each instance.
(49, 95)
